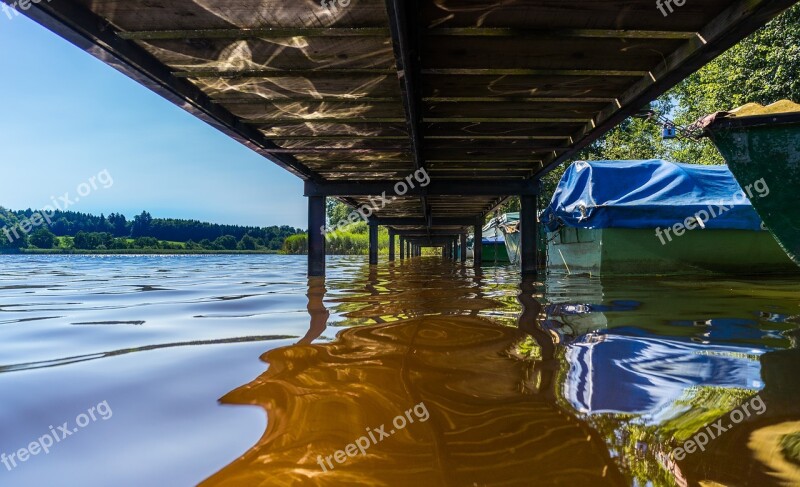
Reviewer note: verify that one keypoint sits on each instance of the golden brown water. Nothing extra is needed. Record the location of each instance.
(493, 387)
(238, 371)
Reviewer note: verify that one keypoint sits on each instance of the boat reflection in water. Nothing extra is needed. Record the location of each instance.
(574, 381)
(650, 373)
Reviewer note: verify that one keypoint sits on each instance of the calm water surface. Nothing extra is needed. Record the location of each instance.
(238, 370)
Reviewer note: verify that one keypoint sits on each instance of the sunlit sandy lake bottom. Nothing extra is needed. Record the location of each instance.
(239, 370)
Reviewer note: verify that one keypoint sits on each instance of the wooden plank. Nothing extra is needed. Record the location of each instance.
(602, 73)
(579, 14)
(497, 137)
(267, 111)
(277, 73)
(501, 129)
(284, 55)
(554, 54)
(503, 120)
(321, 85)
(311, 128)
(343, 99)
(157, 15)
(515, 99)
(520, 109)
(312, 118)
(255, 33)
(533, 34)
(488, 153)
(546, 86)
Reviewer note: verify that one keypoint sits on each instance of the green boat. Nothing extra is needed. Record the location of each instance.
(656, 217)
(633, 251)
(762, 146)
(494, 239)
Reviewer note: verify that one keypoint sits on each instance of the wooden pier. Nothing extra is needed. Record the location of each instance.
(358, 97)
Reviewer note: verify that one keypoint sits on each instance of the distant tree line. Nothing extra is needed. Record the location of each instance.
(83, 231)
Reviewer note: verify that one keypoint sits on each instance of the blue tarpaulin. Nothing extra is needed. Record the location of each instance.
(649, 194)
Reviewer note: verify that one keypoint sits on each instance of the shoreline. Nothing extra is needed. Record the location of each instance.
(139, 252)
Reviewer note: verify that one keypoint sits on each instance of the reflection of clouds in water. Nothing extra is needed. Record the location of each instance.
(487, 8)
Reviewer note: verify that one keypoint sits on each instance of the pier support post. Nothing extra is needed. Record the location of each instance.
(528, 234)
(373, 243)
(402, 248)
(316, 236)
(477, 246)
(391, 245)
(463, 247)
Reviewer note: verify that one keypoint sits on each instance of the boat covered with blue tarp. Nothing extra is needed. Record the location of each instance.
(658, 217)
(649, 194)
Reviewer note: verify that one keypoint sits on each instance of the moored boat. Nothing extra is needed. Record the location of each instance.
(495, 244)
(762, 144)
(657, 217)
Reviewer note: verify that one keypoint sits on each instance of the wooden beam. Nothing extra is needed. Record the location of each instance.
(406, 57)
(260, 33)
(515, 99)
(504, 120)
(439, 187)
(420, 222)
(551, 33)
(343, 99)
(348, 150)
(497, 137)
(277, 73)
(433, 233)
(313, 119)
(238, 99)
(316, 238)
(533, 72)
(337, 138)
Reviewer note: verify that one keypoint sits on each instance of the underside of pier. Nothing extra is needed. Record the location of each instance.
(426, 113)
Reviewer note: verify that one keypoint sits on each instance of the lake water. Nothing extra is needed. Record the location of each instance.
(238, 370)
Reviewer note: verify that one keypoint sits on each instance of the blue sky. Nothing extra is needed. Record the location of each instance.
(65, 117)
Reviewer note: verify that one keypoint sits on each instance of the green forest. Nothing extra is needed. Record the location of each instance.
(72, 231)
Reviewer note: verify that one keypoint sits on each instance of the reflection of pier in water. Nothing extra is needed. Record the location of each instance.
(488, 387)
